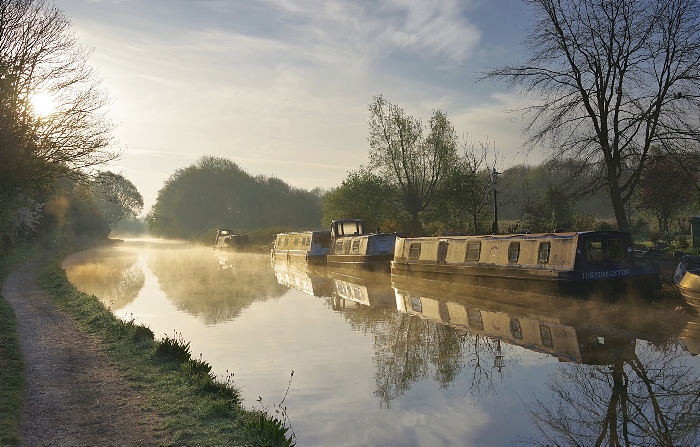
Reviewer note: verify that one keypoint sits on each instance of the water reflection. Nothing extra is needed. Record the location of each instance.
(417, 363)
(217, 290)
(111, 275)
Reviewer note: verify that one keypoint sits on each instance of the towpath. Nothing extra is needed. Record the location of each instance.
(74, 395)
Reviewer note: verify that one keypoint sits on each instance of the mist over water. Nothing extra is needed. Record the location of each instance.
(378, 362)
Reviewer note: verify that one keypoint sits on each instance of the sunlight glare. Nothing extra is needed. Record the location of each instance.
(43, 104)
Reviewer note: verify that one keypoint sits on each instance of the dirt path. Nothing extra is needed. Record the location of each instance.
(74, 395)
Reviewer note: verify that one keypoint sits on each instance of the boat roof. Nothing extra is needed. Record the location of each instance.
(526, 236)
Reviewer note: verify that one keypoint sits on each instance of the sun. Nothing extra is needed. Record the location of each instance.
(42, 104)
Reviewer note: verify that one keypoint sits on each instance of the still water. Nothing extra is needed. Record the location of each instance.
(378, 363)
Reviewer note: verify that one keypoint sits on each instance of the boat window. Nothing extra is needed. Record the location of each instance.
(416, 305)
(546, 335)
(514, 251)
(473, 251)
(543, 254)
(615, 252)
(414, 251)
(356, 246)
(475, 321)
(323, 239)
(515, 329)
(595, 250)
(339, 247)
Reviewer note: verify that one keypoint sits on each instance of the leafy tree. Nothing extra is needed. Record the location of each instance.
(610, 80)
(663, 190)
(39, 55)
(414, 166)
(117, 198)
(216, 193)
(362, 195)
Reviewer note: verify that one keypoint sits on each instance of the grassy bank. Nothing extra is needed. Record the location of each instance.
(12, 369)
(198, 408)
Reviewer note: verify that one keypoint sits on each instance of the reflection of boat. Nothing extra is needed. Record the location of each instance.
(687, 279)
(230, 240)
(352, 248)
(690, 336)
(298, 277)
(569, 329)
(367, 288)
(543, 263)
(302, 247)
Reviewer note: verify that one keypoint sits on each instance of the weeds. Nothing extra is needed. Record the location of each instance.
(274, 428)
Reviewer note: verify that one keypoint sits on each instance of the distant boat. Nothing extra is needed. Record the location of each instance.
(352, 248)
(687, 279)
(305, 247)
(547, 263)
(230, 240)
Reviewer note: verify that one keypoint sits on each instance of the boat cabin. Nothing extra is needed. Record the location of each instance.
(543, 261)
(352, 248)
(230, 240)
(306, 246)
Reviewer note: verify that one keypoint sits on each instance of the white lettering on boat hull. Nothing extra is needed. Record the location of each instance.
(605, 274)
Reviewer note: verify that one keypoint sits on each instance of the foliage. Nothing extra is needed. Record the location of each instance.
(362, 195)
(664, 190)
(414, 166)
(217, 193)
(39, 55)
(610, 80)
(70, 215)
(116, 197)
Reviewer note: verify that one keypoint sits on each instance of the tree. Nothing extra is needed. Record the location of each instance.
(117, 197)
(216, 193)
(664, 190)
(611, 79)
(362, 195)
(414, 166)
(39, 55)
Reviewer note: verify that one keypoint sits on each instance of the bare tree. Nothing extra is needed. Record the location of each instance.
(611, 78)
(413, 165)
(117, 197)
(39, 55)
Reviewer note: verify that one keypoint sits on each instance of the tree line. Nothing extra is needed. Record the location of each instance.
(52, 177)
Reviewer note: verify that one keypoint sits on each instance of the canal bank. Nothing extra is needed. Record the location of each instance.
(92, 379)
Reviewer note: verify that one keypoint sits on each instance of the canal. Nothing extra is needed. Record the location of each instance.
(359, 360)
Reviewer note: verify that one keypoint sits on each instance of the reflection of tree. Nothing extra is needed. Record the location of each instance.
(634, 401)
(409, 349)
(116, 280)
(196, 283)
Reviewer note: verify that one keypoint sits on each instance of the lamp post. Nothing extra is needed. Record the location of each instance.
(493, 175)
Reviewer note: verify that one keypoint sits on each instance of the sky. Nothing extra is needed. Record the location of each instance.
(281, 87)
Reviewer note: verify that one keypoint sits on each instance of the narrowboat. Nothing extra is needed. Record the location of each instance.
(230, 240)
(306, 247)
(687, 280)
(546, 263)
(352, 248)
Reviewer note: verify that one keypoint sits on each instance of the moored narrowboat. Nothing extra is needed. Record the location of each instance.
(310, 247)
(547, 263)
(230, 240)
(687, 280)
(352, 248)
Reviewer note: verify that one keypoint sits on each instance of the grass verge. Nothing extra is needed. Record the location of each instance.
(12, 369)
(198, 408)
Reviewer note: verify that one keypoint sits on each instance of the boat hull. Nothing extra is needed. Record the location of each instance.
(372, 263)
(687, 280)
(541, 281)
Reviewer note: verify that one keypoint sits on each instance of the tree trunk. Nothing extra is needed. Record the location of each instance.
(619, 208)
